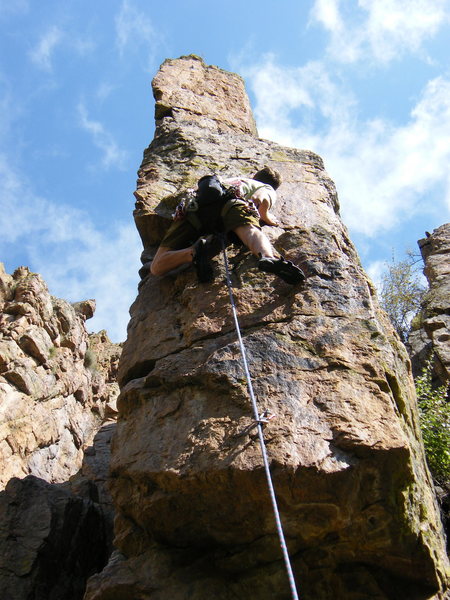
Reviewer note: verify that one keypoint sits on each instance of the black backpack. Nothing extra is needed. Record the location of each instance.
(209, 190)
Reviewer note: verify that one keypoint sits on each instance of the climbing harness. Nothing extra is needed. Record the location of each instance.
(260, 421)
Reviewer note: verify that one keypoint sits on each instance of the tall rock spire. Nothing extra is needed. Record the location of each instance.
(193, 515)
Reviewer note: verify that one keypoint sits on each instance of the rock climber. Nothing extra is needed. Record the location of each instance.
(237, 206)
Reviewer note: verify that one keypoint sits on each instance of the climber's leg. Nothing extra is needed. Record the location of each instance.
(255, 240)
(166, 259)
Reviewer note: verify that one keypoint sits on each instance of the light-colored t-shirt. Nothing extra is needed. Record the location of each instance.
(250, 189)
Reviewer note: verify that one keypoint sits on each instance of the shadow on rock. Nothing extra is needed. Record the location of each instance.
(53, 537)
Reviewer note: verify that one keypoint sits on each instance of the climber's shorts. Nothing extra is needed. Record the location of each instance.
(212, 218)
(237, 213)
(181, 234)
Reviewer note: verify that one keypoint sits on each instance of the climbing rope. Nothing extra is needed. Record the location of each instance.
(260, 420)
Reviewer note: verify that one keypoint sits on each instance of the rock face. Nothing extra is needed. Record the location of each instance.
(57, 388)
(51, 540)
(432, 336)
(52, 397)
(193, 516)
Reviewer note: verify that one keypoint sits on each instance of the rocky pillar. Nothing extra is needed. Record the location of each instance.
(193, 515)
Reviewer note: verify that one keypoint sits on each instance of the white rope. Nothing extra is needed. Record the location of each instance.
(260, 435)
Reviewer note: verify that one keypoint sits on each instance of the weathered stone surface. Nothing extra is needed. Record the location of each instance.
(432, 337)
(209, 97)
(54, 536)
(193, 516)
(92, 480)
(57, 388)
(50, 541)
(86, 308)
(107, 355)
(51, 404)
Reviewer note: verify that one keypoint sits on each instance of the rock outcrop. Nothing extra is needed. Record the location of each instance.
(429, 338)
(431, 335)
(57, 409)
(53, 398)
(193, 515)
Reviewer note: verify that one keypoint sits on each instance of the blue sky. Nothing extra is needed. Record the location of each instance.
(365, 84)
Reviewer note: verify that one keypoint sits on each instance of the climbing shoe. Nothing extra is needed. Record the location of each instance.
(202, 262)
(289, 272)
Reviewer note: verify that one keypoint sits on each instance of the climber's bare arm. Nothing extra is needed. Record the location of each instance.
(263, 209)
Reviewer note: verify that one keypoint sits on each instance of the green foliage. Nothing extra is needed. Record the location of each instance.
(435, 423)
(401, 294)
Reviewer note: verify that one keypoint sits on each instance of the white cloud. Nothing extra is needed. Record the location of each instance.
(304, 95)
(382, 171)
(112, 154)
(59, 36)
(327, 13)
(100, 265)
(134, 30)
(386, 171)
(394, 25)
(379, 29)
(41, 55)
(77, 260)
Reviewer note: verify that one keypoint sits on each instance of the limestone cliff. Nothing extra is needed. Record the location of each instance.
(193, 517)
(431, 335)
(57, 388)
